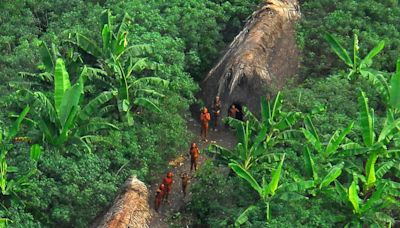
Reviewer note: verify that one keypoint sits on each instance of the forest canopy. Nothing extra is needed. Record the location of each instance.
(94, 92)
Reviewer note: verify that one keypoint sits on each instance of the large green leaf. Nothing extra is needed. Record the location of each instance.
(47, 57)
(353, 197)
(87, 45)
(376, 50)
(241, 172)
(310, 127)
(395, 88)
(69, 124)
(137, 66)
(243, 218)
(332, 175)
(155, 81)
(106, 37)
(339, 50)
(61, 83)
(388, 129)
(336, 140)
(147, 104)
(378, 80)
(276, 106)
(384, 168)
(276, 175)
(139, 50)
(366, 120)
(12, 132)
(94, 105)
(312, 140)
(70, 100)
(370, 170)
(309, 164)
(44, 105)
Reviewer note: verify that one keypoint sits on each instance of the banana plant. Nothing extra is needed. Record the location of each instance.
(367, 211)
(312, 170)
(12, 182)
(266, 191)
(357, 66)
(123, 74)
(247, 151)
(329, 151)
(277, 122)
(373, 145)
(388, 89)
(62, 119)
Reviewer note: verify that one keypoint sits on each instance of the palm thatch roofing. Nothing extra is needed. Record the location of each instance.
(129, 209)
(259, 60)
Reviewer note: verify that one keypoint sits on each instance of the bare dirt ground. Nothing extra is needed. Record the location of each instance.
(177, 204)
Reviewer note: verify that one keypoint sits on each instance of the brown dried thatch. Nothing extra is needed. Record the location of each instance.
(130, 208)
(258, 60)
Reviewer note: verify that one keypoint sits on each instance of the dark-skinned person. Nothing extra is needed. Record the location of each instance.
(185, 182)
(216, 109)
(204, 119)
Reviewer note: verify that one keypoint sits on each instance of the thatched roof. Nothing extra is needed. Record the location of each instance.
(129, 209)
(259, 59)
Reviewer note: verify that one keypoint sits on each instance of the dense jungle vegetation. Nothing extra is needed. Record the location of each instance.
(93, 92)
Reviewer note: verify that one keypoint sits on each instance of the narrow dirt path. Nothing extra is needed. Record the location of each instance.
(177, 203)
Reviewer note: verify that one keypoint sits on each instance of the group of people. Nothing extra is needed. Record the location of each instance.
(165, 187)
(205, 116)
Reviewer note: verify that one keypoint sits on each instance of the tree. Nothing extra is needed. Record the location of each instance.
(266, 191)
(119, 62)
(63, 119)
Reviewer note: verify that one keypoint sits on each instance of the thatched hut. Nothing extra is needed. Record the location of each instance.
(258, 60)
(129, 209)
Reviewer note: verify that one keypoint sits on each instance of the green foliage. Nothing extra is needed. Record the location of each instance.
(371, 20)
(14, 182)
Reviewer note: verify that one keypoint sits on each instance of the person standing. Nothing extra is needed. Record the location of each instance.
(194, 156)
(233, 111)
(159, 196)
(167, 181)
(185, 182)
(216, 109)
(204, 119)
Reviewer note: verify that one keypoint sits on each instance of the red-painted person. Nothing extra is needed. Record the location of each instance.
(204, 119)
(159, 196)
(167, 181)
(194, 156)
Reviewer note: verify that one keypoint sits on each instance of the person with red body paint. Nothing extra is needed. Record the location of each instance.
(204, 119)
(194, 156)
(159, 196)
(167, 181)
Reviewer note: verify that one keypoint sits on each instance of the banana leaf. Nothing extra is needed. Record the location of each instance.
(276, 175)
(366, 120)
(339, 50)
(332, 175)
(61, 83)
(353, 197)
(241, 172)
(395, 88)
